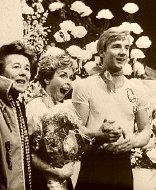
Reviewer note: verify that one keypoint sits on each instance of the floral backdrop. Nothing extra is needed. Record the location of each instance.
(55, 27)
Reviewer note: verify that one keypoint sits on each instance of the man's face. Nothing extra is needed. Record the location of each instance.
(17, 68)
(116, 55)
(60, 84)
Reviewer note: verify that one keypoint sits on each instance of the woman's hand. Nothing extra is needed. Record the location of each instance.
(66, 171)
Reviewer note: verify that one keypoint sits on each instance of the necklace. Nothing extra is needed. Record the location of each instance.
(24, 140)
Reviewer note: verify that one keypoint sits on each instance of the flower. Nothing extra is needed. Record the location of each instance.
(86, 12)
(127, 69)
(135, 27)
(130, 8)
(79, 32)
(89, 66)
(139, 68)
(27, 10)
(67, 25)
(92, 47)
(137, 53)
(55, 6)
(85, 55)
(59, 140)
(54, 51)
(105, 13)
(74, 50)
(39, 7)
(143, 42)
(62, 36)
(81, 8)
(126, 26)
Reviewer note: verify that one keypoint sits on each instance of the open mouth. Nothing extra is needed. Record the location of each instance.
(64, 90)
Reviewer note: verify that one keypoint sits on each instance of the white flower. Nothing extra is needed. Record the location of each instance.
(105, 13)
(89, 66)
(74, 50)
(39, 7)
(143, 42)
(130, 8)
(79, 32)
(62, 36)
(126, 26)
(86, 12)
(55, 6)
(27, 10)
(137, 53)
(78, 6)
(67, 25)
(136, 28)
(85, 55)
(92, 47)
(139, 68)
(152, 155)
(54, 51)
(127, 69)
(68, 144)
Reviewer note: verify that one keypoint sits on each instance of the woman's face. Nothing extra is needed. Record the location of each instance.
(17, 68)
(60, 84)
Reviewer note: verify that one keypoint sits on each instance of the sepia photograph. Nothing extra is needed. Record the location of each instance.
(78, 95)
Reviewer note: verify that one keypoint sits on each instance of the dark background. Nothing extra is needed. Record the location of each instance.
(145, 17)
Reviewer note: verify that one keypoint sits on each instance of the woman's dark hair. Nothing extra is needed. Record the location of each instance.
(16, 47)
(49, 64)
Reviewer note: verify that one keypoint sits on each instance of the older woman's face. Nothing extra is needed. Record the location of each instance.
(17, 68)
(60, 84)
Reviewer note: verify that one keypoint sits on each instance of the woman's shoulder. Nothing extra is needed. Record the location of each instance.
(34, 102)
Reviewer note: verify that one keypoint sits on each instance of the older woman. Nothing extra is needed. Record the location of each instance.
(55, 76)
(15, 170)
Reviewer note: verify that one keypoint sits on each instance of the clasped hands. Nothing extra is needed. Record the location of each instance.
(111, 133)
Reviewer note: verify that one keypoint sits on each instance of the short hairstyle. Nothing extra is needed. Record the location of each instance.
(111, 35)
(49, 64)
(16, 47)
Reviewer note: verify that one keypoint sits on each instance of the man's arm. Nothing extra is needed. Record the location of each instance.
(142, 137)
(144, 132)
(99, 136)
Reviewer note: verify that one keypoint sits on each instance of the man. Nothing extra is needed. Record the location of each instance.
(15, 72)
(108, 104)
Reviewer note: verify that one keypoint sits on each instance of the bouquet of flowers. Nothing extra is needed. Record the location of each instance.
(59, 141)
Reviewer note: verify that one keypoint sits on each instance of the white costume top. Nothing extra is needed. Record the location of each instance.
(104, 104)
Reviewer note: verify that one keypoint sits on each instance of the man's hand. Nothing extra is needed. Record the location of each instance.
(125, 146)
(110, 131)
(107, 136)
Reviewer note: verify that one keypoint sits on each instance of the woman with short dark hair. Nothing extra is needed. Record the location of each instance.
(15, 63)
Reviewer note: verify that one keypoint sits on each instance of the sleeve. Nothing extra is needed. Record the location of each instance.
(80, 93)
(142, 100)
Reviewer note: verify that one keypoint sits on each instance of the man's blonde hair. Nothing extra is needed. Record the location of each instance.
(111, 35)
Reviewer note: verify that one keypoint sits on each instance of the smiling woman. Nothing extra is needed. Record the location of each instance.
(15, 61)
(55, 77)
